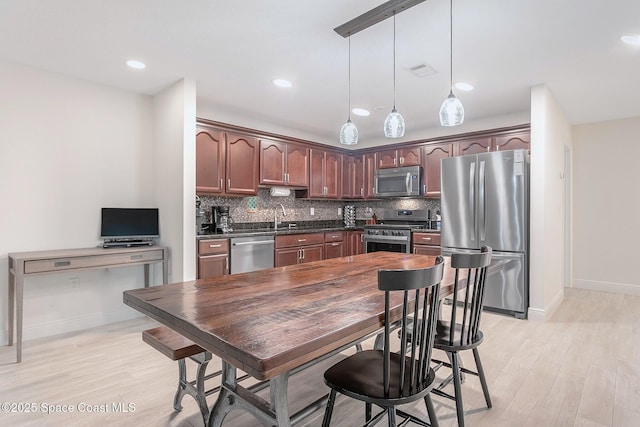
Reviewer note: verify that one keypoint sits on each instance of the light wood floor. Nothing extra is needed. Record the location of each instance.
(580, 368)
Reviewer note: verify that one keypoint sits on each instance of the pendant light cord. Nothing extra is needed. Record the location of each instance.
(451, 44)
(349, 78)
(394, 60)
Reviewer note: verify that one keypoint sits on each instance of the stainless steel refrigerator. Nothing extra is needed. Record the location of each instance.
(485, 201)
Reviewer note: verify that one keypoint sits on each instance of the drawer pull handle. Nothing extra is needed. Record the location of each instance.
(136, 256)
(302, 240)
(215, 246)
(62, 263)
(426, 238)
(335, 244)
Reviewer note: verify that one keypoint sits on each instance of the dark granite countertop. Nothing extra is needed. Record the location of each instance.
(283, 229)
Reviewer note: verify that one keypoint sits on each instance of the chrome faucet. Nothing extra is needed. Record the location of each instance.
(275, 216)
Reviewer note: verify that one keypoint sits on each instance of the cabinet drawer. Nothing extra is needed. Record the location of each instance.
(333, 236)
(299, 240)
(61, 264)
(213, 246)
(426, 239)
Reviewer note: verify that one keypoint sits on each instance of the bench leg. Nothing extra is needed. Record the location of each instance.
(186, 387)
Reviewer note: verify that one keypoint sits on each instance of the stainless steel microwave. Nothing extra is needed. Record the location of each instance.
(398, 182)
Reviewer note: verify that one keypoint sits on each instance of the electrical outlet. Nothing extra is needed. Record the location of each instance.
(75, 282)
(339, 211)
(312, 211)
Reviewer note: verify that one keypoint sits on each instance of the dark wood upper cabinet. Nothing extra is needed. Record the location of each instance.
(473, 146)
(512, 141)
(242, 164)
(283, 163)
(408, 156)
(353, 176)
(210, 161)
(433, 154)
(369, 175)
(325, 174)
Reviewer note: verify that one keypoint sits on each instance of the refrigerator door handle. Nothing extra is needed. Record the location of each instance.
(472, 197)
(482, 208)
(409, 184)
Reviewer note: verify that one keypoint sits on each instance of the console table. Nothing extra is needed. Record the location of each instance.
(25, 264)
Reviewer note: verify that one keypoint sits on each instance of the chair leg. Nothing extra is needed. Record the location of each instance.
(433, 419)
(392, 416)
(483, 380)
(367, 411)
(458, 389)
(329, 411)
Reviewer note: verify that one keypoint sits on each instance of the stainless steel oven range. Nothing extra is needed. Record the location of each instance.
(392, 233)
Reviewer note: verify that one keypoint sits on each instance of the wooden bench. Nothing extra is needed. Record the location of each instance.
(176, 347)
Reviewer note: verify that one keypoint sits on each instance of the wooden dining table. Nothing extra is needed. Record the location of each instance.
(272, 323)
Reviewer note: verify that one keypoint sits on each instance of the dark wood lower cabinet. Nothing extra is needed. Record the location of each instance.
(355, 242)
(334, 250)
(426, 244)
(213, 258)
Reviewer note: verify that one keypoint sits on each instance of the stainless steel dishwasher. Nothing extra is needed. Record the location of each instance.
(251, 253)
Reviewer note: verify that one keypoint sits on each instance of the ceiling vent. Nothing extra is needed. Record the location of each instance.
(422, 70)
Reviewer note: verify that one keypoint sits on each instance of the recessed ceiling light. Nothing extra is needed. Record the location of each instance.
(138, 65)
(360, 112)
(282, 83)
(632, 40)
(464, 86)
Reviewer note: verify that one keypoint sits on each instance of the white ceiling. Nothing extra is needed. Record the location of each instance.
(233, 49)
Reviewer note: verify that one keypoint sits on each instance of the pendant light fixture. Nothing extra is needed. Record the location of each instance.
(394, 123)
(349, 131)
(451, 111)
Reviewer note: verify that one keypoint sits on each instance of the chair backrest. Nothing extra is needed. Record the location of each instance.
(421, 289)
(468, 296)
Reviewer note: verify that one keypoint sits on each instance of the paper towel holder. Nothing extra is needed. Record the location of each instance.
(279, 191)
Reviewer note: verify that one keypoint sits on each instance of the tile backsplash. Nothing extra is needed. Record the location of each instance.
(261, 208)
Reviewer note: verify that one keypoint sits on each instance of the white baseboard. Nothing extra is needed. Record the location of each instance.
(541, 315)
(617, 288)
(70, 325)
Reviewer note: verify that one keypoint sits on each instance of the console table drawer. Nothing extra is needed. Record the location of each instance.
(103, 260)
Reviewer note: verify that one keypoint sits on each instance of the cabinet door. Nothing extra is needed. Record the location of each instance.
(369, 171)
(312, 253)
(316, 173)
(243, 160)
(287, 256)
(210, 151)
(359, 177)
(426, 250)
(433, 153)
(387, 159)
(513, 141)
(348, 176)
(272, 162)
(334, 250)
(297, 165)
(333, 176)
(409, 156)
(355, 242)
(474, 146)
(213, 266)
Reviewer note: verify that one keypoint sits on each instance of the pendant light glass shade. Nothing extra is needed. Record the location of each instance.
(451, 111)
(394, 123)
(349, 131)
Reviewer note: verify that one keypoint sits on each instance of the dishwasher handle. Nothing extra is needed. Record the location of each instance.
(262, 242)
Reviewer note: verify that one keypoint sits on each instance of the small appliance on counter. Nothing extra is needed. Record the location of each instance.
(200, 218)
(349, 216)
(221, 219)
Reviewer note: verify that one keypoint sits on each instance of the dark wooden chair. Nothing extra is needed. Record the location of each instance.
(385, 378)
(461, 331)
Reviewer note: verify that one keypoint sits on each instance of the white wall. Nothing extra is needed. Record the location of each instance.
(550, 134)
(68, 148)
(606, 205)
(174, 175)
